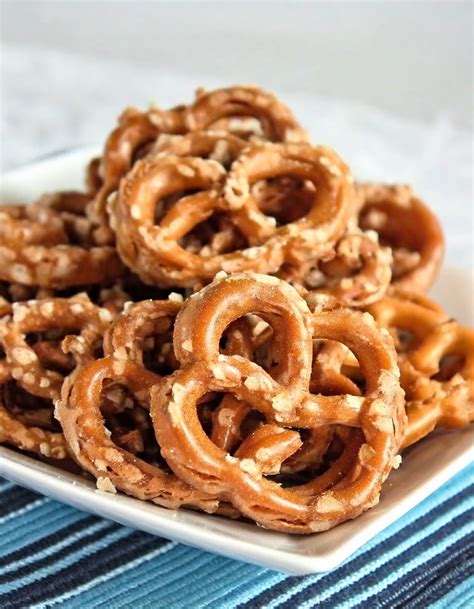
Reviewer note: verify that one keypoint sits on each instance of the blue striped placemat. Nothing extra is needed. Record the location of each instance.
(52, 554)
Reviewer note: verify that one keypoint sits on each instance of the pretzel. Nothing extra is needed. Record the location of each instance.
(230, 426)
(94, 180)
(277, 122)
(154, 252)
(133, 136)
(356, 273)
(143, 325)
(115, 463)
(409, 227)
(68, 201)
(438, 393)
(283, 398)
(43, 247)
(30, 225)
(35, 369)
(219, 146)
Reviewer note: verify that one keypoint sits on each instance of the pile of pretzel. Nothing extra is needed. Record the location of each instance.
(224, 321)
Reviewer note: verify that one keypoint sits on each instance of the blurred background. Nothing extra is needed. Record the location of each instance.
(387, 84)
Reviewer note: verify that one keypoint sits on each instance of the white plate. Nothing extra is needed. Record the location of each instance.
(426, 466)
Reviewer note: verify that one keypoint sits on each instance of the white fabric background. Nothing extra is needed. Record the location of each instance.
(53, 100)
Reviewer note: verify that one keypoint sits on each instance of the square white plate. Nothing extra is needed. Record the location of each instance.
(426, 466)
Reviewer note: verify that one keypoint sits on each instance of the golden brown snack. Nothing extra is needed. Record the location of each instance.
(276, 122)
(355, 273)
(32, 373)
(283, 398)
(111, 454)
(154, 251)
(218, 146)
(409, 227)
(436, 359)
(49, 245)
(135, 133)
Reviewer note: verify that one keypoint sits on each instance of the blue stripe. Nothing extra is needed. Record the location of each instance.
(62, 553)
(46, 544)
(376, 551)
(13, 499)
(118, 572)
(34, 523)
(113, 550)
(454, 572)
(49, 567)
(455, 596)
(414, 563)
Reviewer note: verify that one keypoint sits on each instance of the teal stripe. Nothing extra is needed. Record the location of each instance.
(27, 508)
(94, 582)
(457, 596)
(30, 527)
(52, 549)
(87, 550)
(441, 495)
(423, 557)
(177, 576)
(468, 602)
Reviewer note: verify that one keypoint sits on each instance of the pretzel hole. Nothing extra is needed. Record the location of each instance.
(214, 236)
(284, 198)
(164, 204)
(47, 346)
(129, 423)
(141, 151)
(449, 366)
(398, 230)
(404, 339)
(28, 409)
(13, 292)
(335, 370)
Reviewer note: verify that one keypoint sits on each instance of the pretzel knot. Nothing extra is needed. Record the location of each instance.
(409, 227)
(211, 109)
(37, 369)
(436, 360)
(49, 245)
(356, 273)
(156, 250)
(283, 397)
(81, 411)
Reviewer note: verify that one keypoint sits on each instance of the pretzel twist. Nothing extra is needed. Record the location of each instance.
(27, 366)
(48, 245)
(283, 398)
(438, 394)
(155, 252)
(92, 442)
(356, 273)
(409, 227)
(276, 121)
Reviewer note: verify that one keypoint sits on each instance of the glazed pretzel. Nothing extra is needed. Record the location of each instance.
(87, 433)
(41, 246)
(356, 272)
(409, 227)
(34, 368)
(283, 398)
(142, 322)
(154, 252)
(277, 122)
(132, 138)
(218, 146)
(291, 454)
(439, 392)
(30, 225)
